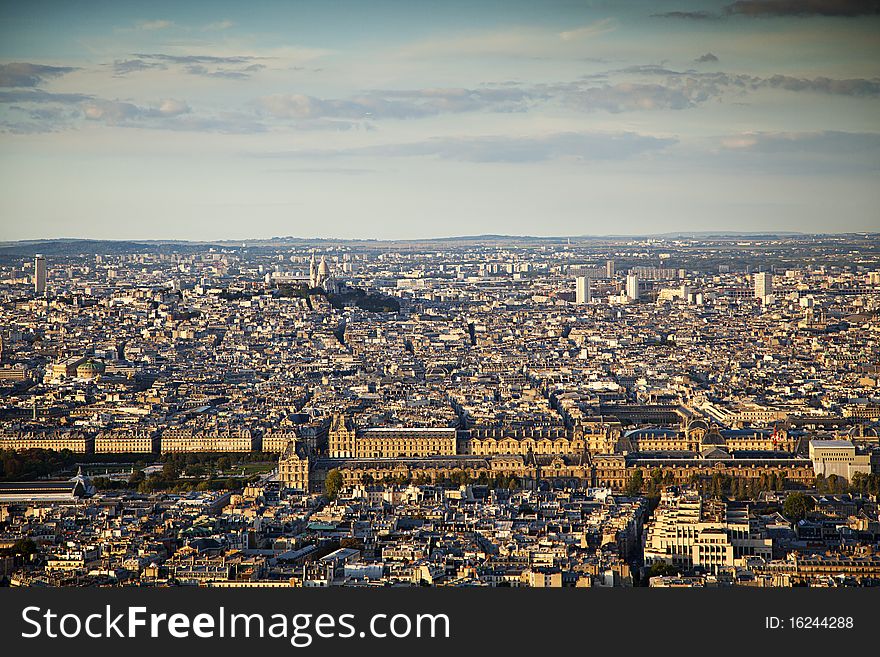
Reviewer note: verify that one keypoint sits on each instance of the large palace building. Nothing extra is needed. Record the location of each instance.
(595, 452)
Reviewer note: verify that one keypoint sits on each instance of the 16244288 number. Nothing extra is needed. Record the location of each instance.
(821, 622)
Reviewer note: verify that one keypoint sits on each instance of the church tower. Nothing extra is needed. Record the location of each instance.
(313, 272)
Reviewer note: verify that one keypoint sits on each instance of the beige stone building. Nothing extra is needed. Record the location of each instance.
(347, 441)
(206, 440)
(690, 532)
(838, 457)
(126, 442)
(55, 440)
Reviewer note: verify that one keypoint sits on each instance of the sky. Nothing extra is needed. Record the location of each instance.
(415, 119)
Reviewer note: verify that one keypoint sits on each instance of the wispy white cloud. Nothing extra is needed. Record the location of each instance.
(572, 146)
(150, 26)
(591, 30)
(396, 104)
(230, 67)
(24, 74)
(218, 26)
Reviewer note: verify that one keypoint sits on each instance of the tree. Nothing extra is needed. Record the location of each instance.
(460, 478)
(860, 482)
(146, 486)
(797, 506)
(24, 546)
(351, 542)
(836, 484)
(634, 483)
(169, 471)
(662, 569)
(333, 484)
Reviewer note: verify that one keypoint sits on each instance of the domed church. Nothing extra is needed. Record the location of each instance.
(321, 276)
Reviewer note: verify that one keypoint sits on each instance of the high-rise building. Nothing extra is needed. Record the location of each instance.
(609, 268)
(763, 284)
(582, 287)
(40, 274)
(632, 287)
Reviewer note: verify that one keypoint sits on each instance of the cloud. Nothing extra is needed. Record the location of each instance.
(708, 57)
(111, 112)
(776, 8)
(849, 87)
(397, 104)
(571, 146)
(232, 68)
(587, 31)
(22, 74)
(678, 90)
(827, 142)
(431, 101)
(169, 114)
(341, 171)
(154, 25)
(229, 74)
(303, 107)
(700, 86)
(39, 119)
(218, 26)
(815, 153)
(126, 66)
(114, 112)
(689, 15)
(172, 107)
(628, 96)
(761, 8)
(739, 142)
(40, 96)
(195, 59)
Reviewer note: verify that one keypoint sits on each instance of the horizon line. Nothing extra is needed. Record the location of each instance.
(483, 236)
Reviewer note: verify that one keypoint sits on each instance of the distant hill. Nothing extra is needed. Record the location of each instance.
(67, 247)
(73, 247)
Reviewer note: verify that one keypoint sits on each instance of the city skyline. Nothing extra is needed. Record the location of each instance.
(662, 413)
(420, 120)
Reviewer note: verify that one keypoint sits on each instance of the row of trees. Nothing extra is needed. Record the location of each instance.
(718, 484)
(861, 483)
(638, 484)
(33, 463)
(371, 302)
(24, 465)
(455, 478)
(740, 488)
(207, 464)
(745, 488)
(167, 480)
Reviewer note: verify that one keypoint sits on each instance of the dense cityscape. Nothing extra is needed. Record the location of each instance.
(668, 411)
